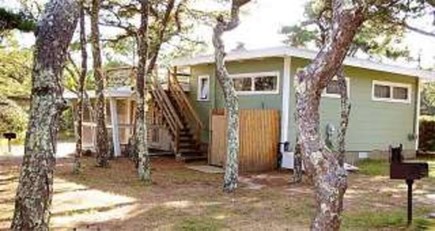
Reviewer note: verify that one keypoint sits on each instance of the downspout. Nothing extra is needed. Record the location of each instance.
(417, 112)
(285, 114)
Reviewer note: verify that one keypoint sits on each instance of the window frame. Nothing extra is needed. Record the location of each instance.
(392, 85)
(198, 91)
(254, 75)
(334, 95)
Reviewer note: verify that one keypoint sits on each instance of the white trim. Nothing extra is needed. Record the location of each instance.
(285, 118)
(417, 113)
(115, 129)
(391, 85)
(198, 93)
(286, 51)
(121, 92)
(254, 75)
(337, 96)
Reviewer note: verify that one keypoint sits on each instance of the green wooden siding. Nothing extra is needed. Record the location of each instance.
(373, 125)
(267, 101)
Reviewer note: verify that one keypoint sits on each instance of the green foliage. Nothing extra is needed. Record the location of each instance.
(15, 69)
(426, 139)
(66, 122)
(12, 117)
(174, 33)
(428, 99)
(10, 20)
(380, 36)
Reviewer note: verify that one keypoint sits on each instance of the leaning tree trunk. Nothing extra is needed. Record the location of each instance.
(140, 134)
(330, 179)
(102, 145)
(81, 89)
(35, 188)
(230, 96)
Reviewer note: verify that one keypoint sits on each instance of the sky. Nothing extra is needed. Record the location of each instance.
(261, 21)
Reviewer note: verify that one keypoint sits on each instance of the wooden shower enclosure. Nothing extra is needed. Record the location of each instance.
(258, 137)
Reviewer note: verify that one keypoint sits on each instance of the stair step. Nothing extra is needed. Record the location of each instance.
(191, 157)
(189, 151)
(188, 146)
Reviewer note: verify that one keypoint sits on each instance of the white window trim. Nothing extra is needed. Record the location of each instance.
(254, 75)
(391, 85)
(198, 91)
(337, 96)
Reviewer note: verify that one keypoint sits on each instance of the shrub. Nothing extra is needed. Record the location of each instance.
(12, 117)
(426, 139)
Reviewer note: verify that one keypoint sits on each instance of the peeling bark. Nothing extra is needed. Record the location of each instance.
(140, 134)
(330, 179)
(297, 166)
(81, 89)
(102, 145)
(35, 189)
(230, 96)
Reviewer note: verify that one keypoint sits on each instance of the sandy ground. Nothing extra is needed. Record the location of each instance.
(183, 199)
(63, 149)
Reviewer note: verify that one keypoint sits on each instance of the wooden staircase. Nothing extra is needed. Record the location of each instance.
(180, 119)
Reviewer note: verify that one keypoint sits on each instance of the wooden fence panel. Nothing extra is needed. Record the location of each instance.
(219, 141)
(259, 137)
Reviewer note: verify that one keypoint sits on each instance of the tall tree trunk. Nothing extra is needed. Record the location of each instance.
(330, 179)
(102, 146)
(81, 89)
(230, 96)
(35, 188)
(144, 168)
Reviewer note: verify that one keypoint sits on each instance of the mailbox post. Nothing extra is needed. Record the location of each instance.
(9, 136)
(408, 171)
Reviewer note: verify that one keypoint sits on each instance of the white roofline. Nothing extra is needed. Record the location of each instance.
(122, 92)
(286, 51)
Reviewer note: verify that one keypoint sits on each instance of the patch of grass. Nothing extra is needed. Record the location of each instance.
(302, 210)
(374, 220)
(196, 223)
(423, 224)
(431, 168)
(374, 167)
(387, 220)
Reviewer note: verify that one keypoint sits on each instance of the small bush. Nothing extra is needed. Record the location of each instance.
(12, 117)
(426, 141)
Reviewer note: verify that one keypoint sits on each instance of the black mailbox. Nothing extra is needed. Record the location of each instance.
(9, 135)
(408, 171)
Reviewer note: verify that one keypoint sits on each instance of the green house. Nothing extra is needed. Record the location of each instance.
(385, 98)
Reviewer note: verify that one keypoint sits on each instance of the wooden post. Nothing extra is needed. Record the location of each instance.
(115, 128)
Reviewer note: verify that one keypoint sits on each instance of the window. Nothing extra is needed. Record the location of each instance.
(333, 89)
(204, 88)
(391, 92)
(256, 83)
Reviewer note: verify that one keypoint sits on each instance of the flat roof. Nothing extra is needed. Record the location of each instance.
(286, 51)
(121, 92)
